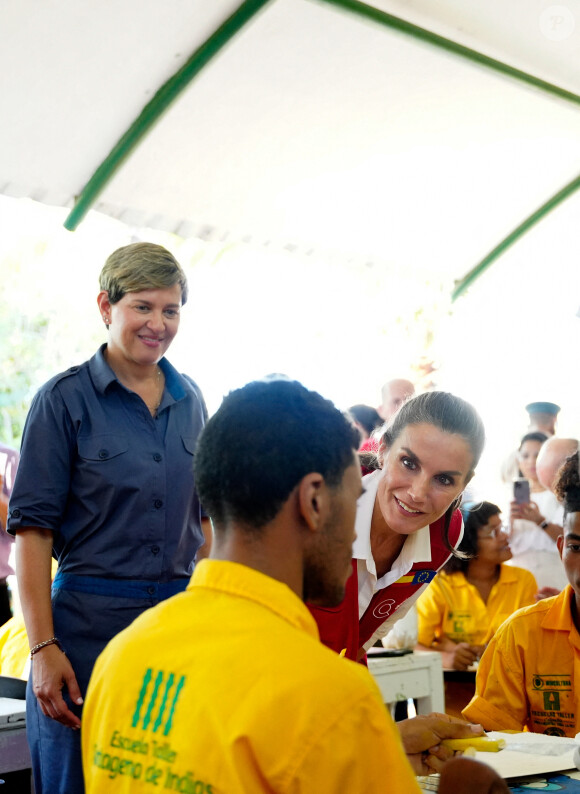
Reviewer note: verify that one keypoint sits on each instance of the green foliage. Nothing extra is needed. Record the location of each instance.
(35, 306)
(24, 355)
(48, 289)
(25, 349)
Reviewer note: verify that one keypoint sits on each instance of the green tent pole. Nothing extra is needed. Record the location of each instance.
(390, 21)
(364, 10)
(156, 106)
(462, 285)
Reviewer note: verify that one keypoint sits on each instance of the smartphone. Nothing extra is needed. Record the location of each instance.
(522, 490)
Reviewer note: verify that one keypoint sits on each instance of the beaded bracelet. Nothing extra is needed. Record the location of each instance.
(51, 641)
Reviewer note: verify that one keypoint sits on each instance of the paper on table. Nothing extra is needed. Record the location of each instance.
(529, 754)
(524, 755)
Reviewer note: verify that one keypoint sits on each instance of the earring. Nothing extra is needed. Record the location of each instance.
(106, 319)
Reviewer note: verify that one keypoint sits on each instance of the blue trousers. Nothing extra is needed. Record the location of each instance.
(84, 621)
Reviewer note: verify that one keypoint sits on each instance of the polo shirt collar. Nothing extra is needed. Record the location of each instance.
(507, 573)
(559, 615)
(244, 582)
(102, 374)
(172, 380)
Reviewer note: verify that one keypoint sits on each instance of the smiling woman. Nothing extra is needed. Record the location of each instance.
(141, 327)
(114, 501)
(407, 523)
(142, 291)
(424, 470)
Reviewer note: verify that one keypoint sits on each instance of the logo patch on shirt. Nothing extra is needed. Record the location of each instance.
(551, 701)
(157, 701)
(418, 577)
(383, 609)
(551, 704)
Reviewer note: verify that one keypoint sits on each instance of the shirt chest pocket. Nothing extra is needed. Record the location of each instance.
(189, 444)
(102, 448)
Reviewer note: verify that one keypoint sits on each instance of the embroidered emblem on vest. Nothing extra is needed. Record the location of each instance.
(417, 577)
(383, 609)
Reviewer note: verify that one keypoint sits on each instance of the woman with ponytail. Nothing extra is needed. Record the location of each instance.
(408, 523)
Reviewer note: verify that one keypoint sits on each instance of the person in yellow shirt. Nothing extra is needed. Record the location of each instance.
(472, 596)
(529, 675)
(226, 687)
(15, 645)
(14, 649)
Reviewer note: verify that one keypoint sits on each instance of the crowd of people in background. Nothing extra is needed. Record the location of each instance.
(113, 526)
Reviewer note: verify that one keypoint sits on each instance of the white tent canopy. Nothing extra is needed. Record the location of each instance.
(314, 128)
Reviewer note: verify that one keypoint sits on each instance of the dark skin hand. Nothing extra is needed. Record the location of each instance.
(465, 655)
(421, 737)
(456, 655)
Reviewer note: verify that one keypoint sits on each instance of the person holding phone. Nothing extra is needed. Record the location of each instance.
(533, 535)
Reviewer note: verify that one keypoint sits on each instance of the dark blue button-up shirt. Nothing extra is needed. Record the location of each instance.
(114, 484)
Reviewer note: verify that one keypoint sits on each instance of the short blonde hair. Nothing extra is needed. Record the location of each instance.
(141, 266)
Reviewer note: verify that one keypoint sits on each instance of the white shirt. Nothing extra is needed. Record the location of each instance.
(417, 547)
(532, 547)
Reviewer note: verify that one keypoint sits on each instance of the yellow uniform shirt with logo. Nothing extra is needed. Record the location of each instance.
(529, 675)
(226, 689)
(453, 607)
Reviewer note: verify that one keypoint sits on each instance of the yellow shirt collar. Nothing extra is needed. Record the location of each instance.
(244, 582)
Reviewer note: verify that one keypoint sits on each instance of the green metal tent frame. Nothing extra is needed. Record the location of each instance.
(171, 89)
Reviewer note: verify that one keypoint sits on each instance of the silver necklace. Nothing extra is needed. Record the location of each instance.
(153, 408)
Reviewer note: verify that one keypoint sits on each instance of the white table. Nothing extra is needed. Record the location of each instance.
(417, 675)
(14, 752)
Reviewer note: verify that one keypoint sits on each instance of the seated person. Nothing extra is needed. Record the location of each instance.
(472, 596)
(15, 646)
(14, 649)
(226, 687)
(552, 455)
(526, 677)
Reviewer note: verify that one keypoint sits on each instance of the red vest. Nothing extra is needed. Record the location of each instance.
(340, 626)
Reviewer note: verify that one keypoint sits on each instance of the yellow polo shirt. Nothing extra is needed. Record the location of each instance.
(452, 607)
(527, 675)
(14, 649)
(226, 689)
